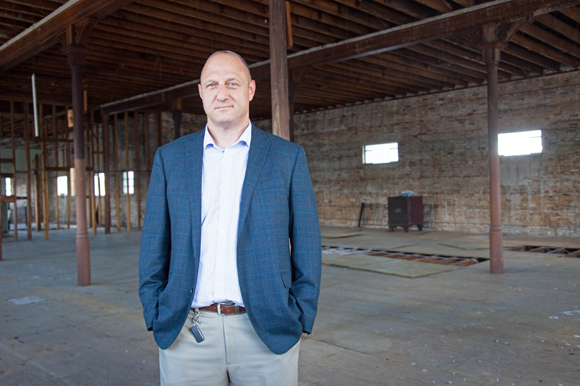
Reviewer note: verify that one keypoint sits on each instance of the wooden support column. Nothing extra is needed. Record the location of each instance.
(177, 113)
(76, 57)
(492, 57)
(494, 38)
(137, 167)
(37, 192)
(26, 134)
(158, 129)
(148, 168)
(69, 125)
(105, 120)
(14, 174)
(116, 171)
(56, 163)
(98, 155)
(279, 69)
(44, 172)
(91, 173)
(127, 171)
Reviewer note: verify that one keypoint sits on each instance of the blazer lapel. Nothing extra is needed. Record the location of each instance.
(193, 153)
(259, 148)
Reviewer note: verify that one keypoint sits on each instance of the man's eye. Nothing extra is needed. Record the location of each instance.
(233, 84)
(210, 85)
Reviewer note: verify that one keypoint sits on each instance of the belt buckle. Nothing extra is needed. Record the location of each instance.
(219, 306)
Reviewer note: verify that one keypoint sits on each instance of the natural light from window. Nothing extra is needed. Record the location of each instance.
(99, 184)
(521, 143)
(128, 182)
(8, 185)
(61, 182)
(381, 153)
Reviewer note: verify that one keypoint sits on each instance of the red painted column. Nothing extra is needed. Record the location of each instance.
(76, 57)
(492, 58)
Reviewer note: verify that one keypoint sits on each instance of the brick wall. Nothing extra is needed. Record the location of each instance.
(443, 156)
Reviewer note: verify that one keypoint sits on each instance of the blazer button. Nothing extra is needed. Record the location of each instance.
(191, 291)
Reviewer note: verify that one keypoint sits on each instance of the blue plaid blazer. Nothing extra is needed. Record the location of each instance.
(279, 285)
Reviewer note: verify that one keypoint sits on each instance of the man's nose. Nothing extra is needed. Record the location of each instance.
(222, 93)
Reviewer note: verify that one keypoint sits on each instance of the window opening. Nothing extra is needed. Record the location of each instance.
(8, 186)
(99, 184)
(61, 185)
(381, 153)
(128, 182)
(520, 143)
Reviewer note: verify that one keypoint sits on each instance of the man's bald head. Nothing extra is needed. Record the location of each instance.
(227, 52)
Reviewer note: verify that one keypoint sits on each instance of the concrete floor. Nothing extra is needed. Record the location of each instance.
(464, 327)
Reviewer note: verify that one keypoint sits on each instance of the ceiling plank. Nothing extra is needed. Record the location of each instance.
(43, 34)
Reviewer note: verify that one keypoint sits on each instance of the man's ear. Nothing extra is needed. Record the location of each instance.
(252, 89)
(199, 90)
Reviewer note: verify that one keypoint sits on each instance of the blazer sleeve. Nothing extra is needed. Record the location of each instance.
(155, 244)
(305, 242)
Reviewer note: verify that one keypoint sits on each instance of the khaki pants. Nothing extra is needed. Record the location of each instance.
(231, 354)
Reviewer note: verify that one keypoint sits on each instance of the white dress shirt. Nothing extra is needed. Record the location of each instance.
(222, 180)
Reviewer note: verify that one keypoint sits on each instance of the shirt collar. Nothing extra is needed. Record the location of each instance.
(246, 137)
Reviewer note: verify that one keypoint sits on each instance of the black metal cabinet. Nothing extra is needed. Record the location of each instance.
(405, 212)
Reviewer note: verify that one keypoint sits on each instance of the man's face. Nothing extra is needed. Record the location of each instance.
(226, 91)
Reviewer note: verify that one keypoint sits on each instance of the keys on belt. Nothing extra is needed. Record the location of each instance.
(224, 308)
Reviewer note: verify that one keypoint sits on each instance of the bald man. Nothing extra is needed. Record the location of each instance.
(230, 255)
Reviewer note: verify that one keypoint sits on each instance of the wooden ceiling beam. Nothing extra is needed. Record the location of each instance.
(469, 54)
(346, 11)
(532, 57)
(212, 13)
(431, 56)
(466, 3)
(175, 39)
(410, 8)
(573, 13)
(439, 5)
(544, 50)
(346, 69)
(187, 18)
(381, 71)
(44, 34)
(13, 7)
(352, 85)
(42, 4)
(550, 39)
(395, 38)
(128, 20)
(409, 71)
(21, 17)
(520, 63)
(383, 12)
(559, 26)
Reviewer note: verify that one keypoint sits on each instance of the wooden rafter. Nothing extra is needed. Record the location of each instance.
(44, 34)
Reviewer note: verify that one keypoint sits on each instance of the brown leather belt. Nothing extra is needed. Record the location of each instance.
(226, 308)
